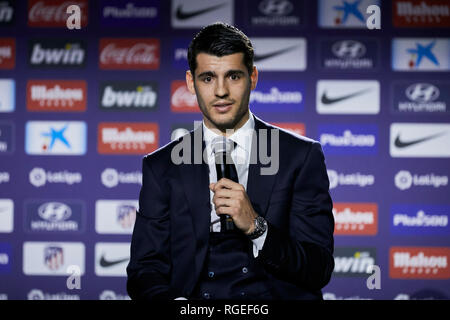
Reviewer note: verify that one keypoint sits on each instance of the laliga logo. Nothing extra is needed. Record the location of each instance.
(38, 177)
(403, 180)
(110, 178)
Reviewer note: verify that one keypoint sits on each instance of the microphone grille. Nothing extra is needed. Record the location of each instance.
(221, 144)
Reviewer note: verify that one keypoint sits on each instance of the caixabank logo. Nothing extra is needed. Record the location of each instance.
(344, 14)
(419, 263)
(129, 95)
(7, 53)
(53, 13)
(420, 97)
(51, 138)
(118, 13)
(420, 219)
(7, 95)
(127, 137)
(355, 218)
(57, 53)
(353, 261)
(421, 13)
(421, 54)
(129, 54)
(57, 95)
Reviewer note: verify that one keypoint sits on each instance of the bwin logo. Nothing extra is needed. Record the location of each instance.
(54, 211)
(422, 92)
(349, 49)
(276, 7)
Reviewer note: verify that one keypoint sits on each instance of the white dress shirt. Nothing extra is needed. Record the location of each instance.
(241, 158)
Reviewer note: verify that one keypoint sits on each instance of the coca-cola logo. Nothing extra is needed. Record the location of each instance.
(182, 99)
(129, 54)
(53, 13)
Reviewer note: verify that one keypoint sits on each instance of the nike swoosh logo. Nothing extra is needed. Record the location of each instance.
(326, 100)
(403, 144)
(183, 15)
(109, 263)
(259, 57)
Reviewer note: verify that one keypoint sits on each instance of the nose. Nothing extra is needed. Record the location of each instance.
(221, 89)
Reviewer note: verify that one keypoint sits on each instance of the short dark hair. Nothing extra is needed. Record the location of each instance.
(220, 39)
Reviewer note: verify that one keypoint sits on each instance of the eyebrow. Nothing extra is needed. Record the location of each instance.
(213, 74)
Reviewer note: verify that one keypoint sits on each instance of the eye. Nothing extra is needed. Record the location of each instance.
(207, 79)
(234, 77)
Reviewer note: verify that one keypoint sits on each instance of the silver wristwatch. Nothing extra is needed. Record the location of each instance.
(260, 228)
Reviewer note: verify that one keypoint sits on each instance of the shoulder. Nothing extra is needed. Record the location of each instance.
(288, 138)
(161, 158)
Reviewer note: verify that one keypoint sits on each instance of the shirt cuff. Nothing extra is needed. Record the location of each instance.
(258, 243)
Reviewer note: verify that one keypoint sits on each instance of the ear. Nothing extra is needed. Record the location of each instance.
(190, 82)
(254, 78)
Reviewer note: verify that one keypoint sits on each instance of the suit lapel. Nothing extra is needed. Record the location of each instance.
(259, 187)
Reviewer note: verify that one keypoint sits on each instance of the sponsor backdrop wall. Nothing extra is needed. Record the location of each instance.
(79, 109)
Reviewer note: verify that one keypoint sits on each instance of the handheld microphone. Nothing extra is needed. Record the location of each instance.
(225, 168)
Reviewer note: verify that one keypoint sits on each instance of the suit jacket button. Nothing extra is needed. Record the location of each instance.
(206, 295)
(211, 274)
(244, 270)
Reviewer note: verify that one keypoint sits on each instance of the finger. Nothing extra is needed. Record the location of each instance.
(227, 193)
(231, 211)
(211, 186)
(229, 184)
(224, 202)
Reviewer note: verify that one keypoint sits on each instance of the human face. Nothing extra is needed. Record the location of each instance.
(222, 85)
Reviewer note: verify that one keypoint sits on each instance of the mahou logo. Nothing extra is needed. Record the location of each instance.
(7, 53)
(134, 54)
(127, 138)
(56, 95)
(182, 100)
(53, 13)
(419, 263)
(421, 13)
(355, 218)
(298, 128)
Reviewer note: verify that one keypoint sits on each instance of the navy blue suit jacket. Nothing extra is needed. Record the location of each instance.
(170, 237)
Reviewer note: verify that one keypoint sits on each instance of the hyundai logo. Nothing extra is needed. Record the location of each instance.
(348, 49)
(54, 211)
(422, 92)
(276, 7)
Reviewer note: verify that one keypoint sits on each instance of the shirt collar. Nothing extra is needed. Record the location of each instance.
(241, 136)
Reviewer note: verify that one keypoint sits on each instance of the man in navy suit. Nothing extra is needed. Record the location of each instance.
(281, 242)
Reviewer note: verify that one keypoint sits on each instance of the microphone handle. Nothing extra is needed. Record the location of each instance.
(226, 222)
